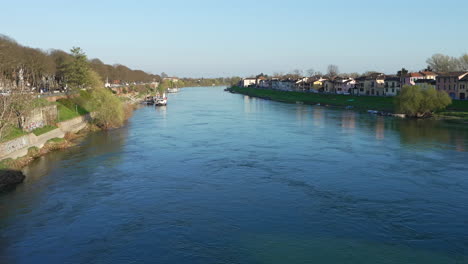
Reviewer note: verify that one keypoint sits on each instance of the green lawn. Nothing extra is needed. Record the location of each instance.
(43, 130)
(357, 102)
(11, 132)
(56, 140)
(67, 109)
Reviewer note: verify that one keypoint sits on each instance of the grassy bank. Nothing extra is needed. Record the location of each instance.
(69, 109)
(357, 102)
(457, 110)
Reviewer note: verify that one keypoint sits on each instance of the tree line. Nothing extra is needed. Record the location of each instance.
(38, 69)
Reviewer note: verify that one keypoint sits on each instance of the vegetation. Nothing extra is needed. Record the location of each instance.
(11, 132)
(68, 109)
(43, 130)
(444, 63)
(357, 102)
(387, 104)
(56, 140)
(108, 108)
(416, 102)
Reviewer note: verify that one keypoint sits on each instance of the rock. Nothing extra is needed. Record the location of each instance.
(10, 178)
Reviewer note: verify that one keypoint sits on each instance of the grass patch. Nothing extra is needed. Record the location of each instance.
(458, 105)
(5, 164)
(43, 130)
(68, 109)
(41, 102)
(56, 140)
(12, 132)
(357, 102)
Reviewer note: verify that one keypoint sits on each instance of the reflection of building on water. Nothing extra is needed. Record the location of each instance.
(348, 120)
(301, 112)
(460, 143)
(318, 116)
(380, 128)
(247, 106)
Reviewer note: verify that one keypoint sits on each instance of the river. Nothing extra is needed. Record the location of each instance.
(216, 177)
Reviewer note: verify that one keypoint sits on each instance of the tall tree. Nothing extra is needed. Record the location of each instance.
(332, 70)
(443, 63)
(77, 73)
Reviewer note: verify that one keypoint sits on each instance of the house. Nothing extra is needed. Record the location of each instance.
(318, 83)
(426, 83)
(429, 75)
(172, 79)
(463, 88)
(392, 86)
(344, 86)
(302, 84)
(373, 84)
(450, 83)
(410, 78)
(248, 82)
(284, 85)
(264, 83)
(329, 86)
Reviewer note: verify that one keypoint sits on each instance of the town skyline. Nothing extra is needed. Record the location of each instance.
(211, 39)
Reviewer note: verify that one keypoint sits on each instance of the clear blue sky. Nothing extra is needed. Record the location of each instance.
(225, 38)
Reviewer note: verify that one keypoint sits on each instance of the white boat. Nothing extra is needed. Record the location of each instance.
(160, 101)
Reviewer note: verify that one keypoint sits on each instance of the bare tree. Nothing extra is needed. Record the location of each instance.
(310, 72)
(464, 62)
(332, 70)
(443, 63)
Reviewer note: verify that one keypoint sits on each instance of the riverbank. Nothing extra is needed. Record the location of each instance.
(17, 153)
(457, 111)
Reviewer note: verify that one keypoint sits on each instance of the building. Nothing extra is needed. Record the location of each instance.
(248, 82)
(172, 79)
(426, 83)
(329, 86)
(344, 86)
(392, 86)
(463, 88)
(373, 84)
(450, 83)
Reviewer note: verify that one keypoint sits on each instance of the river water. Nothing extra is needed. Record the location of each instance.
(216, 177)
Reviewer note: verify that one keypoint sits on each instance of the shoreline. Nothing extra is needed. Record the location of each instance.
(372, 104)
(11, 168)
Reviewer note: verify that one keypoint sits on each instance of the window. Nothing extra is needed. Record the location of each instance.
(393, 90)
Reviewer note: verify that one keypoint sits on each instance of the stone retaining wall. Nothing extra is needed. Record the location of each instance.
(18, 147)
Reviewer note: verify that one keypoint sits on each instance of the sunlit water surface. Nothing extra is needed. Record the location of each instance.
(221, 178)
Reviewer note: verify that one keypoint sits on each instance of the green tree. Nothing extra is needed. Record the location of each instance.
(77, 73)
(417, 102)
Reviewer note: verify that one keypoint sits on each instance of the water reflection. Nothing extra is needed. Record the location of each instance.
(380, 128)
(430, 133)
(348, 120)
(318, 113)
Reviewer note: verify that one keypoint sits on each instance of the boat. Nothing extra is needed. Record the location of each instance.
(160, 101)
(149, 100)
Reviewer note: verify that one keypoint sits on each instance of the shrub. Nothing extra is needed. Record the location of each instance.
(108, 108)
(417, 102)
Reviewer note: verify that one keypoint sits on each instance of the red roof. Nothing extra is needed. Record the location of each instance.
(415, 74)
